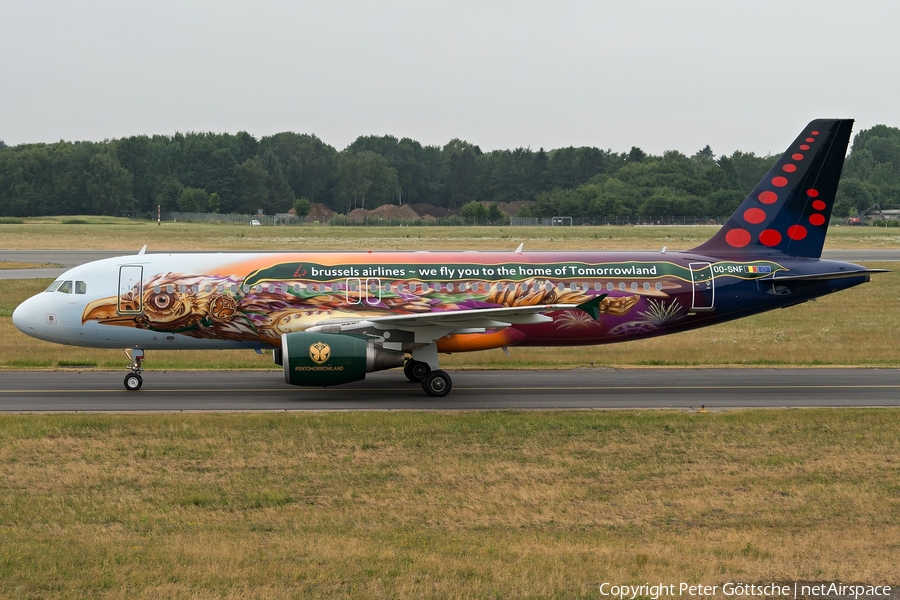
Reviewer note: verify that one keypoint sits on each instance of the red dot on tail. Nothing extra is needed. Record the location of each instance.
(796, 232)
(737, 238)
(770, 237)
(812, 193)
(814, 132)
(768, 197)
(797, 156)
(789, 168)
(754, 216)
(819, 205)
(779, 181)
(817, 219)
(810, 140)
(804, 147)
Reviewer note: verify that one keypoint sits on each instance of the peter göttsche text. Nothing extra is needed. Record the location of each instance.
(745, 590)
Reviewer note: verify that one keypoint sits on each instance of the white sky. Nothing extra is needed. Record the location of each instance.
(659, 74)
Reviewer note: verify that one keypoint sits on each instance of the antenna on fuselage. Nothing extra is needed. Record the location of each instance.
(519, 249)
(142, 250)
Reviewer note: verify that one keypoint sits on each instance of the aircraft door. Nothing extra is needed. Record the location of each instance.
(373, 291)
(130, 298)
(353, 291)
(704, 291)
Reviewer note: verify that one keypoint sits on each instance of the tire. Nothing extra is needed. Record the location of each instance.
(437, 384)
(133, 382)
(416, 370)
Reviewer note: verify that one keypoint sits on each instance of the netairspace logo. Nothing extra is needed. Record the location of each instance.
(744, 590)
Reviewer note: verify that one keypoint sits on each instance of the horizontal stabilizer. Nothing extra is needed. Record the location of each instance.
(824, 276)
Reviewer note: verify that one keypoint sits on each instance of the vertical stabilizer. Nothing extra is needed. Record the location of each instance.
(789, 210)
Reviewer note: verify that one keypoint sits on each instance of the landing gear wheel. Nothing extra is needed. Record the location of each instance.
(416, 370)
(437, 384)
(133, 382)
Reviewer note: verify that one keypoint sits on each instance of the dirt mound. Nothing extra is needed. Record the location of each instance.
(397, 213)
(320, 212)
(424, 209)
(358, 215)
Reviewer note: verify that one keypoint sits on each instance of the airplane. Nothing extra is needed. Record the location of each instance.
(330, 318)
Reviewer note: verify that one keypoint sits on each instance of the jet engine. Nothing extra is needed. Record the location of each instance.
(323, 359)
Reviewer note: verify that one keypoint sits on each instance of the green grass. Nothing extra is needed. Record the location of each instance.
(442, 505)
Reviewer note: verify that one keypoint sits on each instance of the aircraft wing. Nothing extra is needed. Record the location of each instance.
(428, 327)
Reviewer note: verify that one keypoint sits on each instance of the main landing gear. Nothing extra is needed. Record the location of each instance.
(435, 383)
(134, 381)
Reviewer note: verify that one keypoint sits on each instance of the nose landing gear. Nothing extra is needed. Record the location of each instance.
(134, 381)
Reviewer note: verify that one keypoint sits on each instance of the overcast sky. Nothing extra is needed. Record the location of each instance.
(659, 74)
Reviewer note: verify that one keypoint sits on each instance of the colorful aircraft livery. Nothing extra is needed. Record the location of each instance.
(331, 317)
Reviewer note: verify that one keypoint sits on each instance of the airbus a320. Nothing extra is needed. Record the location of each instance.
(330, 318)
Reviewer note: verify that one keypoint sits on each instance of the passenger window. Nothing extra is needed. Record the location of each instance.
(53, 286)
(622, 286)
(65, 288)
(80, 287)
(658, 286)
(610, 286)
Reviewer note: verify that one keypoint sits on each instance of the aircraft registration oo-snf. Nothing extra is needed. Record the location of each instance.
(331, 317)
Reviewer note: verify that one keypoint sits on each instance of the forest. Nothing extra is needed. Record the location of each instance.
(238, 173)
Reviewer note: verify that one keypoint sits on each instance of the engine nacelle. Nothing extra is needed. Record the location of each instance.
(324, 359)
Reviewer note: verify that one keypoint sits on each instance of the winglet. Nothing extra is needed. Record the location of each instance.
(592, 306)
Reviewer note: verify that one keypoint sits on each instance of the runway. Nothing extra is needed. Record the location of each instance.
(73, 258)
(685, 389)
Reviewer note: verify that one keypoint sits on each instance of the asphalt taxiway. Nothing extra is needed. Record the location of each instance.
(472, 390)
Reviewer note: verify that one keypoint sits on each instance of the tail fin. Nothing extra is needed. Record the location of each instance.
(788, 211)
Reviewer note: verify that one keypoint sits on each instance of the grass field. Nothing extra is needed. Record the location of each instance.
(106, 233)
(442, 505)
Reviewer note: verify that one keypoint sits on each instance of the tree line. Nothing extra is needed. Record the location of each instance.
(220, 172)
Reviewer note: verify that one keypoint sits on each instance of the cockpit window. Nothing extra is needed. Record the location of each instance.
(52, 287)
(80, 287)
(65, 288)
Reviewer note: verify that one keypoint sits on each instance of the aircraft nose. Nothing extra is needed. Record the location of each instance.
(24, 316)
